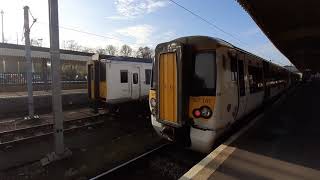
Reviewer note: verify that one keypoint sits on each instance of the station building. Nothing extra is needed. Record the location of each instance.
(12, 59)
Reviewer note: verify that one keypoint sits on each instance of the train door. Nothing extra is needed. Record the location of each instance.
(168, 87)
(135, 83)
(93, 80)
(90, 81)
(242, 88)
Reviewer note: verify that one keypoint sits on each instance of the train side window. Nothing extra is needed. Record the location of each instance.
(123, 76)
(148, 76)
(135, 78)
(233, 67)
(255, 79)
(242, 86)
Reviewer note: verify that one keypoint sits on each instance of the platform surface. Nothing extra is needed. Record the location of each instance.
(283, 144)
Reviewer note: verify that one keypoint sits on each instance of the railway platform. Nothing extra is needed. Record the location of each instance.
(283, 143)
(15, 103)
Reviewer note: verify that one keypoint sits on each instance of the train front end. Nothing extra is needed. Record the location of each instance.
(183, 93)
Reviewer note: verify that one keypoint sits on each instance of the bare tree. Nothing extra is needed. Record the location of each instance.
(111, 50)
(100, 51)
(72, 45)
(144, 52)
(126, 50)
(87, 50)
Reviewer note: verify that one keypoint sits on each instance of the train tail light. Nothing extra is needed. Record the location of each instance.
(196, 113)
(204, 112)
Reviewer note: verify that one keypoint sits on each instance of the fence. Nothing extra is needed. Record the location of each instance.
(7, 79)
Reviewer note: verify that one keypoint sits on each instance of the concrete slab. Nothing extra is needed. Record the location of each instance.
(284, 144)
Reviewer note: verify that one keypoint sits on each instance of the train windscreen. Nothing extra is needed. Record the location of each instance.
(204, 76)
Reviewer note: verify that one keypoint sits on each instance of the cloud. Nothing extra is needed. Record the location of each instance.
(128, 9)
(141, 33)
(117, 17)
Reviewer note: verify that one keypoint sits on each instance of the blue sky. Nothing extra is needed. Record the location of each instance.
(140, 23)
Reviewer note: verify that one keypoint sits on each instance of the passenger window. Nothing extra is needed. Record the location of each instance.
(255, 79)
(148, 76)
(242, 86)
(123, 76)
(135, 78)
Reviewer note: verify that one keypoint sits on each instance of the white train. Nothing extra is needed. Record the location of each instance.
(202, 85)
(115, 80)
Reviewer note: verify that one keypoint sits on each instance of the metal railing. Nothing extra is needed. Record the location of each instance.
(7, 79)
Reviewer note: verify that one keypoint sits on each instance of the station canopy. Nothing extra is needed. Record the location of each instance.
(292, 25)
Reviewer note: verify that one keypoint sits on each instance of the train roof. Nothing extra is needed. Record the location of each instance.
(197, 40)
(121, 58)
(200, 39)
(130, 59)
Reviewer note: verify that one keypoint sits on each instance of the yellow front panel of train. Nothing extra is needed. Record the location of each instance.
(103, 89)
(168, 87)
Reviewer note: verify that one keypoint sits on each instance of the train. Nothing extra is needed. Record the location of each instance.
(202, 85)
(116, 80)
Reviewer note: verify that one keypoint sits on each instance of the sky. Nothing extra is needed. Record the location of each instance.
(139, 23)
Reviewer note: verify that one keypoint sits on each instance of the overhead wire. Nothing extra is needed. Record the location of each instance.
(84, 32)
(215, 26)
(207, 21)
(211, 24)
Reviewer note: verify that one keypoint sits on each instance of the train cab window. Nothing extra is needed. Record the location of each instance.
(153, 75)
(135, 78)
(148, 76)
(91, 73)
(123, 76)
(103, 71)
(204, 76)
(233, 68)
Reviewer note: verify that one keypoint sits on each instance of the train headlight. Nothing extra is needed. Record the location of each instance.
(153, 102)
(206, 112)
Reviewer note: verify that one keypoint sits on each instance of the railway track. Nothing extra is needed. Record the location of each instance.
(7, 138)
(166, 161)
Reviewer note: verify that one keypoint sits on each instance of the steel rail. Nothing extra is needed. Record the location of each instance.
(22, 134)
(129, 162)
